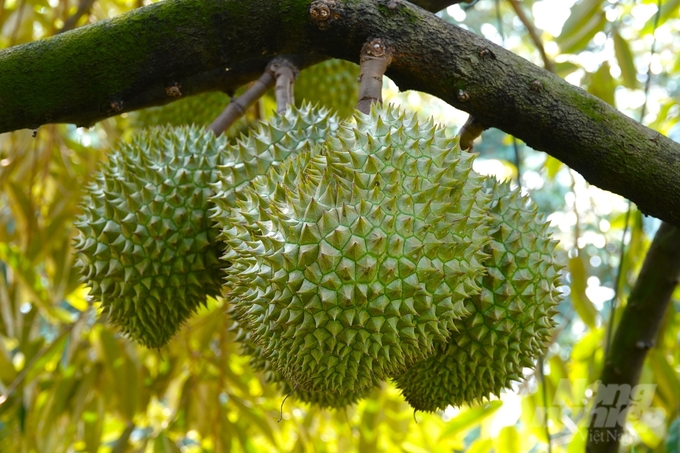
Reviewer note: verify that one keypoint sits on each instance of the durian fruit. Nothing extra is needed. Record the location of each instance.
(350, 262)
(511, 317)
(331, 83)
(324, 400)
(146, 246)
(151, 277)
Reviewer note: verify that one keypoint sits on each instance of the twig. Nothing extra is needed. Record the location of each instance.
(547, 63)
(279, 71)
(635, 335)
(376, 56)
(237, 108)
(285, 73)
(83, 8)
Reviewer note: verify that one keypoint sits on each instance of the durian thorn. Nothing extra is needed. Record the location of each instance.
(284, 402)
(375, 57)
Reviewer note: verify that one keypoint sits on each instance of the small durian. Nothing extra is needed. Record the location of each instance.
(146, 246)
(331, 83)
(351, 261)
(511, 317)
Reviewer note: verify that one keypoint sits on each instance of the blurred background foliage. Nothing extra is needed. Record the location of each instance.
(70, 383)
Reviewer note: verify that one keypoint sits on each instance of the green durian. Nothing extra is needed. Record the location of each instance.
(146, 246)
(331, 83)
(350, 262)
(141, 274)
(510, 320)
(325, 400)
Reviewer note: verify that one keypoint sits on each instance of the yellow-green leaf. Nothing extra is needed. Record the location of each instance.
(625, 59)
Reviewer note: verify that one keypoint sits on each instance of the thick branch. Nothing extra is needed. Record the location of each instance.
(113, 66)
(635, 335)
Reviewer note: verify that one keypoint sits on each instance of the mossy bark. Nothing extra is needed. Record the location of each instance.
(128, 62)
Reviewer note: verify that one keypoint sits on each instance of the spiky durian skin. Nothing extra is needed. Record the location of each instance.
(146, 246)
(350, 263)
(270, 144)
(324, 400)
(511, 317)
(332, 83)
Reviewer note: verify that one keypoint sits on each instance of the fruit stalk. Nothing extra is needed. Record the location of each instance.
(376, 56)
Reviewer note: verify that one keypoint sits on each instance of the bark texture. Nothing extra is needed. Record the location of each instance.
(128, 62)
(635, 336)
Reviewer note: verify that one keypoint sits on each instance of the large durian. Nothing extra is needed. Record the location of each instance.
(351, 262)
(510, 320)
(331, 83)
(146, 245)
(141, 273)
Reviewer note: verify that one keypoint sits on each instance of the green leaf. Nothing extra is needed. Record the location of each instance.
(669, 8)
(164, 445)
(552, 167)
(666, 379)
(507, 441)
(585, 20)
(121, 444)
(480, 446)
(602, 85)
(625, 59)
(673, 437)
(468, 418)
(583, 306)
(93, 420)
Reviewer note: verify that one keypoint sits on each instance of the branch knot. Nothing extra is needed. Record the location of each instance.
(321, 11)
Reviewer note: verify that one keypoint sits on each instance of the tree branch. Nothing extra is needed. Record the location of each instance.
(125, 63)
(635, 335)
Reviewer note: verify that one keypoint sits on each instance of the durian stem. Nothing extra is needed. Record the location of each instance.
(376, 56)
(237, 108)
(635, 335)
(472, 129)
(285, 73)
